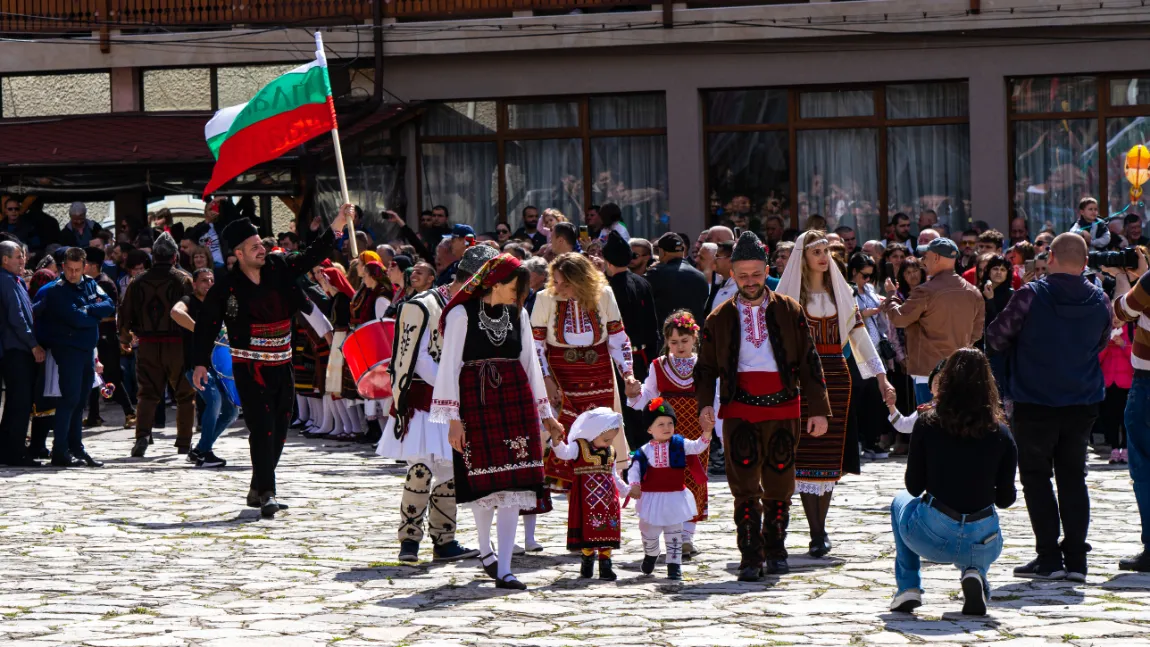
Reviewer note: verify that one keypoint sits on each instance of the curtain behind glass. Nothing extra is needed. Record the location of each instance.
(533, 116)
(841, 103)
(755, 165)
(632, 173)
(460, 177)
(1055, 165)
(924, 100)
(838, 178)
(758, 106)
(374, 187)
(459, 118)
(1121, 135)
(929, 168)
(544, 173)
(628, 111)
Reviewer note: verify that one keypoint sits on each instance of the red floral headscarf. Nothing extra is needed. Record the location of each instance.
(492, 273)
(338, 280)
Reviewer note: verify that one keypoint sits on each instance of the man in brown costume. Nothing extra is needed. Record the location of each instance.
(757, 351)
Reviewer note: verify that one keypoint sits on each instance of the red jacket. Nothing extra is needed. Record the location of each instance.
(1116, 367)
(971, 277)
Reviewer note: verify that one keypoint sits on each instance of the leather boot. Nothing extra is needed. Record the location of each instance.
(587, 567)
(605, 570)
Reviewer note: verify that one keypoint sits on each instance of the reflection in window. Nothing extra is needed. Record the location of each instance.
(533, 116)
(544, 173)
(749, 176)
(628, 111)
(458, 176)
(1121, 135)
(926, 100)
(1054, 94)
(843, 103)
(1055, 164)
(738, 107)
(178, 89)
(56, 94)
(459, 118)
(236, 85)
(929, 168)
(632, 173)
(1130, 92)
(838, 179)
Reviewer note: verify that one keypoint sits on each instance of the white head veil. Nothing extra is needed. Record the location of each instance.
(792, 282)
(593, 422)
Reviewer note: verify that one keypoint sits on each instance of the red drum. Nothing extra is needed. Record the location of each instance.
(367, 353)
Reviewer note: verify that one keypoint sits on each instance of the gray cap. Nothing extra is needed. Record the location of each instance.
(944, 247)
(473, 260)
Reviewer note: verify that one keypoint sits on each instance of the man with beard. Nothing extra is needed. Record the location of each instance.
(530, 228)
(641, 254)
(760, 378)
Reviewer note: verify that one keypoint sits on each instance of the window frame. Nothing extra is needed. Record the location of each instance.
(1103, 111)
(795, 124)
(99, 70)
(504, 134)
(213, 79)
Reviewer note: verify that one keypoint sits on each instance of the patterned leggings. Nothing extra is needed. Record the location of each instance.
(418, 496)
(672, 535)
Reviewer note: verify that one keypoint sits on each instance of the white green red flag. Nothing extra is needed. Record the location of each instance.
(285, 113)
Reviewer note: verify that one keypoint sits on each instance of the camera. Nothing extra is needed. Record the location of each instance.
(1125, 259)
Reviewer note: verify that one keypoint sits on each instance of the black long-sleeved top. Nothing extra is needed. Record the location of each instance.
(637, 310)
(967, 474)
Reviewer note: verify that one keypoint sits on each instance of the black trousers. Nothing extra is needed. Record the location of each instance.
(1112, 417)
(19, 371)
(108, 350)
(1052, 441)
(266, 394)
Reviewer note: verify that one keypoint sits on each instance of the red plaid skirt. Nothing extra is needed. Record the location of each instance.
(585, 385)
(502, 450)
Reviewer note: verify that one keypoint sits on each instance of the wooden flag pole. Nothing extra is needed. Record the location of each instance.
(322, 56)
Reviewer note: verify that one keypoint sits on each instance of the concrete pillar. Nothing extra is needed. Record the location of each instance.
(125, 89)
(685, 165)
(989, 158)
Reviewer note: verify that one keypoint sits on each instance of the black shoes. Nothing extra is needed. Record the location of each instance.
(605, 571)
(777, 567)
(140, 448)
(209, 460)
(1042, 569)
(67, 460)
(509, 582)
(820, 547)
(1139, 563)
(587, 567)
(89, 461)
(183, 451)
(751, 574)
(490, 565)
(648, 565)
(92, 422)
(27, 461)
(194, 457)
(39, 453)
(269, 507)
(409, 550)
(674, 572)
(450, 552)
(1075, 567)
(255, 501)
(974, 593)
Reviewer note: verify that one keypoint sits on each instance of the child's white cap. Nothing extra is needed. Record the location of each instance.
(593, 422)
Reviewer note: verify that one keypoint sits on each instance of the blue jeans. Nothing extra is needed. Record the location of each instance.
(219, 412)
(77, 369)
(922, 531)
(128, 369)
(1138, 448)
(922, 393)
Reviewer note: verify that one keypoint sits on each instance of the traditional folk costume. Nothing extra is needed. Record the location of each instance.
(258, 317)
(764, 359)
(593, 511)
(672, 379)
(665, 503)
(492, 383)
(410, 435)
(576, 347)
(368, 305)
(834, 322)
(309, 359)
(335, 421)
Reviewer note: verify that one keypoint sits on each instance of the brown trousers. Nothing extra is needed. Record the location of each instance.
(158, 366)
(760, 459)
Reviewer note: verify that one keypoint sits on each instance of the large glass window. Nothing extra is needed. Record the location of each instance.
(564, 154)
(838, 154)
(462, 176)
(1069, 139)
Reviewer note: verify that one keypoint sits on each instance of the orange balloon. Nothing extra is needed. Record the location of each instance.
(1138, 165)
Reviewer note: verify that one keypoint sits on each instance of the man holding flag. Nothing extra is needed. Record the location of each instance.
(260, 295)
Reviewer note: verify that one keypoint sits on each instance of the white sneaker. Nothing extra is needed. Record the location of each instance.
(907, 601)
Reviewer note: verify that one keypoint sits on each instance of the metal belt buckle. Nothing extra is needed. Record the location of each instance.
(571, 355)
(591, 356)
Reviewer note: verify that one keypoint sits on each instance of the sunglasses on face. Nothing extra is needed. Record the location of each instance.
(969, 243)
(503, 231)
(868, 275)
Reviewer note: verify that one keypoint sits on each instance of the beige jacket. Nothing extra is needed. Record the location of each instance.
(942, 315)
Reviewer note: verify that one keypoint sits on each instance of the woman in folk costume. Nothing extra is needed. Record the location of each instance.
(492, 396)
(816, 282)
(369, 304)
(671, 377)
(593, 513)
(337, 286)
(579, 332)
(309, 354)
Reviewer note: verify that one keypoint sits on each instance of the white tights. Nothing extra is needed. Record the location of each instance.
(508, 519)
(688, 532)
(672, 535)
(304, 411)
(325, 416)
(529, 529)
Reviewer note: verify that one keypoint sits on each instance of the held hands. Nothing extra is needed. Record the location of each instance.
(889, 395)
(553, 393)
(200, 378)
(632, 387)
(817, 426)
(707, 419)
(455, 435)
(636, 492)
(555, 430)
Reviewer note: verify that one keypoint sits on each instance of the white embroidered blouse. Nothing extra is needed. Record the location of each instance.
(565, 324)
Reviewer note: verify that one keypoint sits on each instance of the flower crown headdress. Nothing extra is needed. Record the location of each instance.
(657, 405)
(686, 322)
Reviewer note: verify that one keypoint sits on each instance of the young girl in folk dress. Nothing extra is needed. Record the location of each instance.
(671, 377)
(593, 513)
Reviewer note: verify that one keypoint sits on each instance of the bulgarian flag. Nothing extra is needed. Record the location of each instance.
(284, 114)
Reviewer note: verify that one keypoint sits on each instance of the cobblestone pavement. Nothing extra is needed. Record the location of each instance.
(153, 553)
